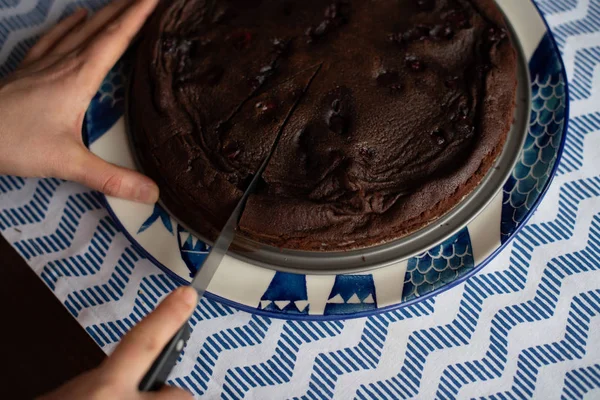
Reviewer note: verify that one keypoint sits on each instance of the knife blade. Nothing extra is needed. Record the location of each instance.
(158, 373)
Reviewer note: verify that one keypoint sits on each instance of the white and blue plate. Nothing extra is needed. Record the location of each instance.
(264, 291)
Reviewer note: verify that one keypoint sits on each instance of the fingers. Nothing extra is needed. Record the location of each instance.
(142, 345)
(55, 35)
(97, 44)
(93, 172)
(171, 393)
(108, 46)
(96, 23)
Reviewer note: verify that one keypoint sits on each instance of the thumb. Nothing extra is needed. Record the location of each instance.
(112, 180)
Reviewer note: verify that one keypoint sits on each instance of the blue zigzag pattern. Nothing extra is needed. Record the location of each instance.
(541, 307)
(35, 210)
(75, 207)
(420, 345)
(571, 194)
(581, 86)
(151, 289)
(584, 307)
(251, 334)
(585, 60)
(10, 183)
(552, 6)
(112, 290)
(365, 355)
(88, 263)
(280, 367)
(479, 288)
(579, 128)
(588, 24)
(580, 381)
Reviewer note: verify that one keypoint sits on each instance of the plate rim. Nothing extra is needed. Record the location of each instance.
(402, 304)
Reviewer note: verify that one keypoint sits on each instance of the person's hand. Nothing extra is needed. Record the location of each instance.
(120, 374)
(43, 103)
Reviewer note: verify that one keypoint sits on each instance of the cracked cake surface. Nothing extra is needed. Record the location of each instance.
(390, 112)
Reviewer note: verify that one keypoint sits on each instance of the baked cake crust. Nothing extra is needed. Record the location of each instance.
(391, 111)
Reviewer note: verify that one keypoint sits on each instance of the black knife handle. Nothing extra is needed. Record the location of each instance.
(158, 373)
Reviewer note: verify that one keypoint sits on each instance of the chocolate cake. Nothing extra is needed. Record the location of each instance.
(390, 112)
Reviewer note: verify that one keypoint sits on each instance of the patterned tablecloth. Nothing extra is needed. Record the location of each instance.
(523, 327)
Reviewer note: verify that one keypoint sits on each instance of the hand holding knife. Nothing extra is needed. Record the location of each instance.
(158, 373)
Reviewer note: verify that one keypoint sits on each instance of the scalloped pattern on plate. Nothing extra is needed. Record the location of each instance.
(544, 139)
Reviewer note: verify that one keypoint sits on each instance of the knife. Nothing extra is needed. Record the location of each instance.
(158, 373)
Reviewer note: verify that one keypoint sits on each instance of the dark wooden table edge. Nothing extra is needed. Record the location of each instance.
(42, 345)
